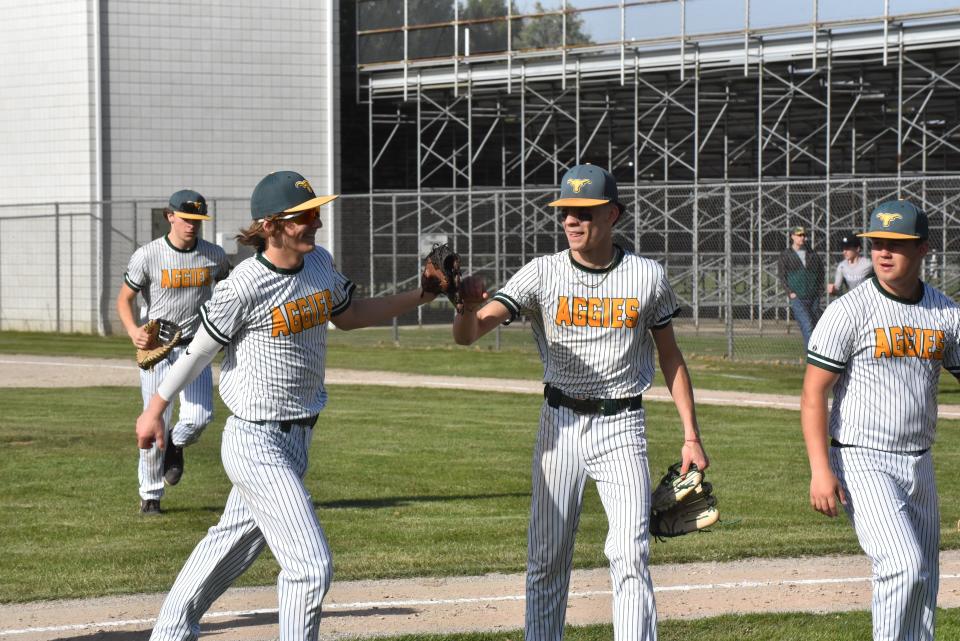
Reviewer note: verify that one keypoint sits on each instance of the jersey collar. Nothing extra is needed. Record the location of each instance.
(177, 249)
(280, 270)
(617, 259)
(905, 301)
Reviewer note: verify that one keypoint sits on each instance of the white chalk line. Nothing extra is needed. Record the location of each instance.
(357, 605)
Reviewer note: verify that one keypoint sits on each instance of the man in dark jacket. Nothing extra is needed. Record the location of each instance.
(801, 274)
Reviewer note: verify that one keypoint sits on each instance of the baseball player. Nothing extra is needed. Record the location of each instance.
(271, 317)
(597, 311)
(880, 349)
(853, 269)
(175, 275)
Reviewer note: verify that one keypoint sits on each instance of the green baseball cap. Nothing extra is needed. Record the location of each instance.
(587, 185)
(284, 192)
(798, 231)
(898, 219)
(188, 204)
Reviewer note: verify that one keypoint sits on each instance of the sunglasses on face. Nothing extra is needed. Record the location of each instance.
(302, 218)
(579, 213)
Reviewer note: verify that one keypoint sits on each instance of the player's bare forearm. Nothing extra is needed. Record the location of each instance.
(125, 303)
(677, 377)
(150, 428)
(824, 487)
(366, 312)
(470, 326)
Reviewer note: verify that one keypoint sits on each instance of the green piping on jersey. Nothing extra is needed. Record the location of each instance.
(617, 259)
(177, 249)
(905, 301)
(825, 363)
(280, 270)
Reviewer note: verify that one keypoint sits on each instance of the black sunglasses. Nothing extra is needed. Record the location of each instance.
(576, 212)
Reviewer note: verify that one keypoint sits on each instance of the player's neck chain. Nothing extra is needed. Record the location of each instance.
(597, 276)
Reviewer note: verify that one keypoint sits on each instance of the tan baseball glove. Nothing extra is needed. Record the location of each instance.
(164, 336)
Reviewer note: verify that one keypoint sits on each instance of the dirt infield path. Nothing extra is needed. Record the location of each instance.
(59, 371)
(459, 604)
(485, 603)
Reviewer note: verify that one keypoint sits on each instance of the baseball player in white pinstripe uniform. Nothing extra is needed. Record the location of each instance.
(175, 275)
(880, 349)
(271, 317)
(597, 311)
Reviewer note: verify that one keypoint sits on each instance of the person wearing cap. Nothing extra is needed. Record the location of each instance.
(270, 316)
(853, 269)
(801, 274)
(880, 349)
(175, 275)
(597, 311)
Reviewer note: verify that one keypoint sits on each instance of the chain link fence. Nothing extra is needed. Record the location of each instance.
(61, 264)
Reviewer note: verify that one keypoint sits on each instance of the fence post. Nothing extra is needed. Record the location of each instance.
(56, 257)
(497, 239)
(728, 266)
(393, 240)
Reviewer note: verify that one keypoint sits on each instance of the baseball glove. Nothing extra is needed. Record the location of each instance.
(686, 503)
(441, 274)
(164, 336)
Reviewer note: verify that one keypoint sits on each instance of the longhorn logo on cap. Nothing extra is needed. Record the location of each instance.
(578, 183)
(887, 219)
(304, 184)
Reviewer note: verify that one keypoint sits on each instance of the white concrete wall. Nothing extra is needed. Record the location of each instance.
(47, 143)
(208, 95)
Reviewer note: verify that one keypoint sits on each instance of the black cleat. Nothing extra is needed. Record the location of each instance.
(172, 464)
(150, 507)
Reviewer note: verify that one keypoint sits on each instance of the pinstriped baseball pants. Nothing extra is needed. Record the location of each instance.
(612, 450)
(892, 501)
(196, 412)
(268, 505)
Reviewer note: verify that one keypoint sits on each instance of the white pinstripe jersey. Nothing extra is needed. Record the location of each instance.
(591, 326)
(273, 323)
(175, 282)
(888, 352)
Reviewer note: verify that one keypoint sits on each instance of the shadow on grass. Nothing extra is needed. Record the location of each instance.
(244, 621)
(394, 501)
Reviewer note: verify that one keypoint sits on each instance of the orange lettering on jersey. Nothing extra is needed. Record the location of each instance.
(293, 316)
(594, 312)
(909, 346)
(280, 327)
(563, 312)
(631, 309)
(616, 312)
(938, 337)
(896, 341)
(296, 316)
(579, 311)
(927, 343)
(322, 314)
(908, 342)
(190, 277)
(328, 301)
(882, 350)
(306, 313)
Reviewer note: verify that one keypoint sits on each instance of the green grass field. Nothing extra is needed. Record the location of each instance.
(847, 626)
(401, 490)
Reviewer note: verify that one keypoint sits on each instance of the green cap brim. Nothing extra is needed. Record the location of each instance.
(578, 202)
(188, 216)
(888, 234)
(310, 204)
